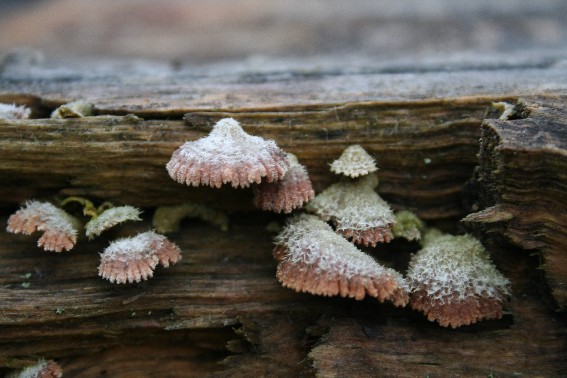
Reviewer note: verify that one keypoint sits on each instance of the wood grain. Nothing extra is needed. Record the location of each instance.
(221, 310)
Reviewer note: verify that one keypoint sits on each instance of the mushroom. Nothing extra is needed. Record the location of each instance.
(314, 259)
(110, 218)
(354, 162)
(357, 211)
(134, 259)
(290, 193)
(11, 112)
(59, 228)
(454, 283)
(407, 226)
(75, 109)
(228, 155)
(43, 369)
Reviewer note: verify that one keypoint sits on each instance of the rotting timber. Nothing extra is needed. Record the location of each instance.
(221, 311)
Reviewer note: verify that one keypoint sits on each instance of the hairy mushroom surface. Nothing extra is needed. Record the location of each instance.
(287, 194)
(134, 259)
(453, 281)
(314, 259)
(357, 211)
(228, 155)
(59, 228)
(354, 162)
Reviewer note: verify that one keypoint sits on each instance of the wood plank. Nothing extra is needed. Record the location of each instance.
(223, 301)
(522, 182)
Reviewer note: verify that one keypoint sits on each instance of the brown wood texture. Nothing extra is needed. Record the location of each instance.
(522, 178)
(221, 311)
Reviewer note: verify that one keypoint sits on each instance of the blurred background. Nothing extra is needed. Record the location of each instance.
(204, 31)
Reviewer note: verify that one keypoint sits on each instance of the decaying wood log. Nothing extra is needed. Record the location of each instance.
(522, 181)
(221, 311)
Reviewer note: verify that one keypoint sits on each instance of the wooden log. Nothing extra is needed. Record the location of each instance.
(521, 182)
(423, 129)
(221, 311)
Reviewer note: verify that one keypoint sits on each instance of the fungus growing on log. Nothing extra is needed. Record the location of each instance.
(110, 218)
(454, 283)
(105, 216)
(354, 162)
(167, 219)
(43, 369)
(314, 259)
(59, 228)
(11, 111)
(134, 259)
(287, 194)
(75, 109)
(357, 211)
(228, 155)
(407, 226)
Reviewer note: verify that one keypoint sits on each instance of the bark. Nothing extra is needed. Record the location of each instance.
(522, 181)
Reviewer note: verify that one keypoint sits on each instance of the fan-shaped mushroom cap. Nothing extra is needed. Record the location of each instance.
(354, 162)
(60, 228)
(453, 282)
(287, 194)
(134, 259)
(357, 211)
(314, 259)
(110, 218)
(228, 155)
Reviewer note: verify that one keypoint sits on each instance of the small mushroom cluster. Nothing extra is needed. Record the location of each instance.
(229, 155)
(316, 258)
(124, 260)
(451, 279)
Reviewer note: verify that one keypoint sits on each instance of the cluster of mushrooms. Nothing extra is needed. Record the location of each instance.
(451, 279)
(131, 259)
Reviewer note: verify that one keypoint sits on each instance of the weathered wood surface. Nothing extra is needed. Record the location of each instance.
(521, 184)
(221, 311)
(422, 128)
